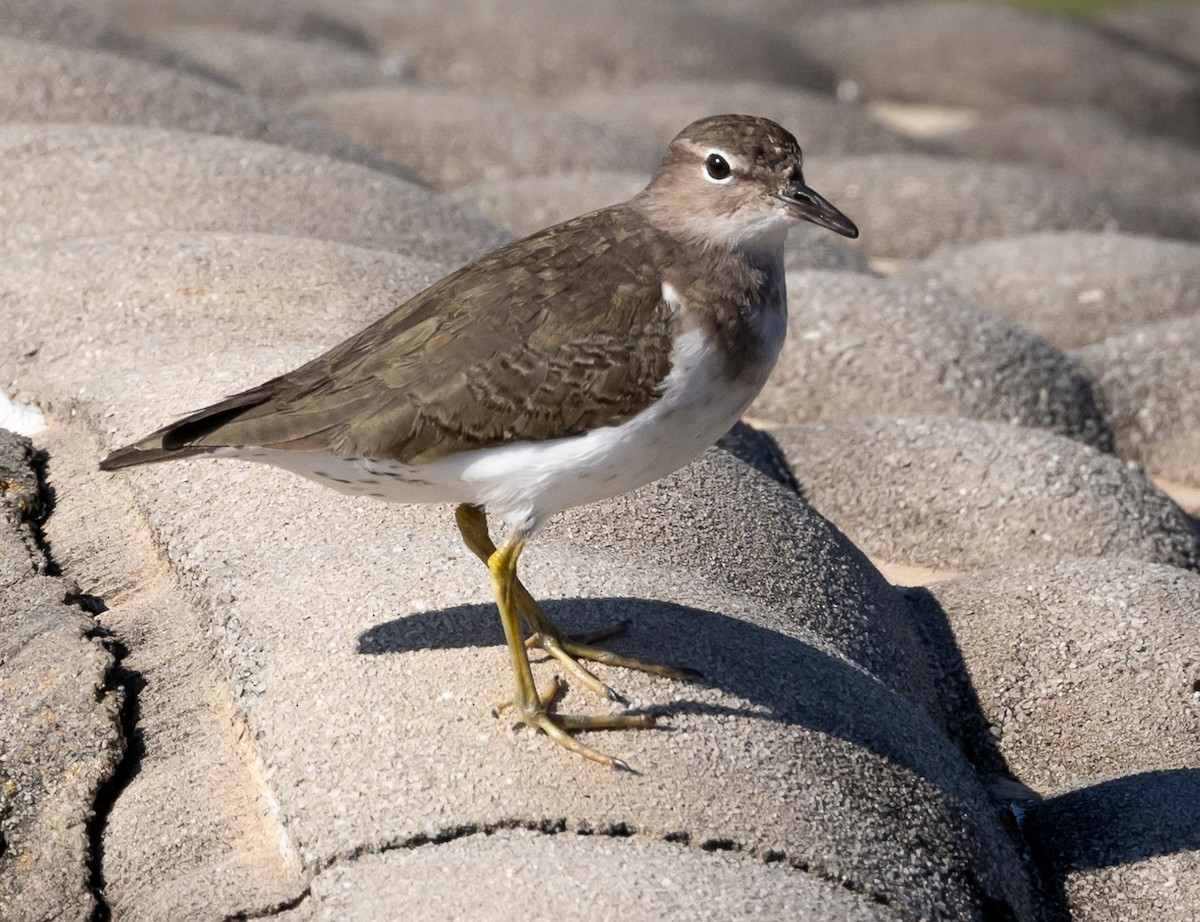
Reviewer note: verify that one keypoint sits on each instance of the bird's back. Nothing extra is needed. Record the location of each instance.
(471, 362)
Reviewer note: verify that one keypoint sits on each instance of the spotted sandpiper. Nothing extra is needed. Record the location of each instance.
(579, 363)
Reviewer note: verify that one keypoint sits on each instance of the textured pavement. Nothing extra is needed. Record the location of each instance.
(944, 611)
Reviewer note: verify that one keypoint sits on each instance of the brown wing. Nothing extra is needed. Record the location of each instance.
(550, 336)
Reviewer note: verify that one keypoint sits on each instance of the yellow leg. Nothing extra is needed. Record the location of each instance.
(472, 523)
(502, 564)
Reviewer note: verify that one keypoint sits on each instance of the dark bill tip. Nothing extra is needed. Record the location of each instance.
(808, 205)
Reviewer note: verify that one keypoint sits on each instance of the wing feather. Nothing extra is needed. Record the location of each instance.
(548, 337)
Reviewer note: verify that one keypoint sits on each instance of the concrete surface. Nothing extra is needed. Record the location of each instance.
(1086, 672)
(163, 19)
(68, 25)
(1167, 26)
(657, 111)
(961, 495)
(949, 55)
(540, 875)
(448, 137)
(263, 700)
(60, 728)
(83, 180)
(1085, 142)
(51, 83)
(908, 205)
(1072, 288)
(859, 346)
(286, 67)
(618, 43)
(1144, 379)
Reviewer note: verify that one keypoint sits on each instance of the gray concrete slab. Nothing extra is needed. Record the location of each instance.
(658, 110)
(1085, 142)
(68, 24)
(60, 728)
(1124, 850)
(1169, 25)
(525, 204)
(786, 556)
(59, 83)
(908, 205)
(285, 67)
(863, 346)
(775, 14)
(205, 282)
(1145, 382)
(520, 874)
(64, 181)
(163, 18)
(1072, 288)
(551, 47)
(1085, 668)
(1086, 675)
(758, 449)
(958, 494)
(947, 54)
(451, 136)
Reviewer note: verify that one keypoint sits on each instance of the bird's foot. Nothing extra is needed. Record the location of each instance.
(548, 697)
(559, 727)
(533, 707)
(569, 651)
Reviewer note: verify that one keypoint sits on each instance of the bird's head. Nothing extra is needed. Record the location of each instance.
(735, 180)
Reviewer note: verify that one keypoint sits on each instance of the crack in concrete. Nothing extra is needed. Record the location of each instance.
(562, 826)
(117, 679)
(274, 909)
(128, 683)
(107, 544)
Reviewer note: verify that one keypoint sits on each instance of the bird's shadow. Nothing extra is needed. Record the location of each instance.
(781, 678)
(787, 679)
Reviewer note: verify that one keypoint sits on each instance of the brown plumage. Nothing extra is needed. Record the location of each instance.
(553, 335)
(550, 336)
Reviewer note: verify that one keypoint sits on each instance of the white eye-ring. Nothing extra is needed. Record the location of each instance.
(717, 168)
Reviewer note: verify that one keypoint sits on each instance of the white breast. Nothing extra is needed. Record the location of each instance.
(526, 482)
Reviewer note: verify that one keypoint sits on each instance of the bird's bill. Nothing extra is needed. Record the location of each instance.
(808, 205)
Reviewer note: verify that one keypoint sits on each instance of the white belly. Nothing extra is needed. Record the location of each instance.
(526, 482)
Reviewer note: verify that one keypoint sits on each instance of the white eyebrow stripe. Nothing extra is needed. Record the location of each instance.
(734, 160)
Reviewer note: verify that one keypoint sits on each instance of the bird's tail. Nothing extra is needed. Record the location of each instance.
(143, 453)
(190, 437)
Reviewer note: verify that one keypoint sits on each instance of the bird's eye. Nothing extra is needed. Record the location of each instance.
(717, 167)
